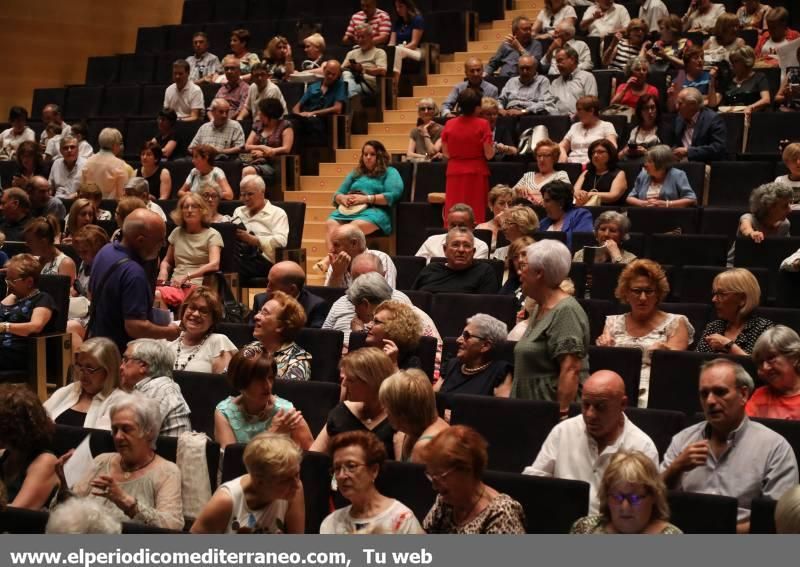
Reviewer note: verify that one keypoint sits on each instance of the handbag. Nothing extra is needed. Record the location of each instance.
(352, 209)
(232, 310)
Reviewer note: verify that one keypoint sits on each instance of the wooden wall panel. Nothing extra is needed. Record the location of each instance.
(45, 43)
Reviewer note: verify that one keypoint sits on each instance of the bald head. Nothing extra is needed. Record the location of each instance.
(605, 382)
(348, 238)
(473, 70)
(144, 232)
(287, 277)
(365, 264)
(603, 400)
(39, 191)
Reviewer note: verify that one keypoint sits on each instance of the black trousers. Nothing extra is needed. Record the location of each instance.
(254, 266)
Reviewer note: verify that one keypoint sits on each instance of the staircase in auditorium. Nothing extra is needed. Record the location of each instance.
(317, 191)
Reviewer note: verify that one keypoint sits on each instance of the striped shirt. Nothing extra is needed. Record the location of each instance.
(625, 52)
(380, 21)
(174, 409)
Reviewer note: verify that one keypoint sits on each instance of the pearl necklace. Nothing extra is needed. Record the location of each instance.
(126, 473)
(476, 370)
(177, 365)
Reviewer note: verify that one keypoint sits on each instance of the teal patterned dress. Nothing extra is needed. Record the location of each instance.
(245, 426)
(390, 185)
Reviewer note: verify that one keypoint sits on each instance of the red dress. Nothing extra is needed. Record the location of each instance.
(467, 170)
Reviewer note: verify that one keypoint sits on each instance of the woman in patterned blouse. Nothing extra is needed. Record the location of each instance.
(455, 460)
(277, 325)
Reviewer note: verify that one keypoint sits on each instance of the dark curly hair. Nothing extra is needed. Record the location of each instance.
(24, 423)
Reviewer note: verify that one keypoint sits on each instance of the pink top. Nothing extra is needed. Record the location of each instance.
(764, 403)
(631, 98)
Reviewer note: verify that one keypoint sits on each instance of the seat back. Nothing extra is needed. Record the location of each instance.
(408, 268)
(58, 287)
(407, 483)
(239, 333)
(659, 425)
(733, 181)
(22, 521)
(697, 249)
(656, 221)
(762, 516)
(786, 428)
(313, 399)
(325, 347)
(531, 422)
(202, 392)
(450, 310)
(329, 294)
(425, 351)
(296, 213)
(627, 362)
(420, 299)
(696, 513)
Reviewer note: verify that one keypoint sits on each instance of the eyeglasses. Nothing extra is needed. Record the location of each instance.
(13, 281)
(346, 468)
(720, 293)
(200, 310)
(438, 477)
(424, 108)
(231, 68)
(209, 196)
(633, 499)
(647, 291)
(126, 359)
(86, 369)
(466, 335)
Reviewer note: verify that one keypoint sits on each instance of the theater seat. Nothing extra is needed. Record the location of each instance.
(659, 425)
(762, 516)
(202, 392)
(451, 310)
(426, 351)
(732, 182)
(22, 521)
(407, 483)
(696, 513)
(787, 428)
(312, 398)
(408, 268)
(696, 249)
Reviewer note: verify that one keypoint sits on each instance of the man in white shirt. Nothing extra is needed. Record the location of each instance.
(581, 447)
(261, 228)
(605, 18)
(461, 215)
(203, 65)
(65, 174)
(572, 83)
(364, 64)
(651, 11)
(183, 96)
(347, 242)
(564, 36)
(261, 88)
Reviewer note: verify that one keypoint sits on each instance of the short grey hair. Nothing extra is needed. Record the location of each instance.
(570, 52)
(661, 157)
(637, 63)
(354, 234)
(219, 101)
(159, 358)
(743, 53)
(66, 140)
(781, 340)
(516, 22)
(364, 28)
(82, 515)
(693, 95)
(372, 287)
(764, 197)
(139, 187)
(622, 221)
(551, 257)
(108, 138)
(463, 208)
(743, 379)
(488, 327)
(566, 27)
(145, 411)
(254, 182)
(458, 231)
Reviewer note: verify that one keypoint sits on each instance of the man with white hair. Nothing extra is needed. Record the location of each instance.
(261, 228)
(147, 368)
(104, 168)
(460, 274)
(459, 215)
(700, 133)
(234, 90)
(347, 242)
(138, 187)
(65, 174)
(564, 36)
(727, 454)
(183, 96)
(224, 134)
(519, 43)
(363, 64)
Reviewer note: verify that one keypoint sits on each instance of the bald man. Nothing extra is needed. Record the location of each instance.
(290, 278)
(581, 447)
(473, 73)
(122, 296)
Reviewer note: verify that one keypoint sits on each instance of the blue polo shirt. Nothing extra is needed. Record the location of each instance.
(126, 294)
(313, 99)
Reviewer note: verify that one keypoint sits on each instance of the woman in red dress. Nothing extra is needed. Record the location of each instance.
(467, 143)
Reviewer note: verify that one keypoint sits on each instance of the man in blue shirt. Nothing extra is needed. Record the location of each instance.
(518, 43)
(473, 71)
(123, 298)
(321, 99)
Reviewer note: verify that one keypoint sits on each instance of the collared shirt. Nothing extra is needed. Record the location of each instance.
(386, 264)
(254, 96)
(569, 452)
(65, 181)
(534, 98)
(688, 133)
(270, 225)
(315, 99)
(757, 463)
(205, 65)
(506, 58)
(615, 19)
(652, 11)
(183, 101)
(433, 247)
(236, 97)
(380, 21)
(485, 89)
(584, 57)
(229, 135)
(9, 141)
(568, 91)
(174, 409)
(293, 362)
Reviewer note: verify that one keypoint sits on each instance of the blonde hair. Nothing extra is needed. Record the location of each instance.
(370, 365)
(642, 268)
(106, 353)
(522, 216)
(791, 152)
(636, 468)
(177, 213)
(292, 317)
(74, 212)
(316, 40)
(548, 144)
(740, 280)
(271, 455)
(499, 190)
(404, 328)
(409, 395)
(488, 102)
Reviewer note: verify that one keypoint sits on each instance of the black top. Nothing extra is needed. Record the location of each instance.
(71, 417)
(154, 181)
(747, 337)
(436, 277)
(14, 485)
(180, 144)
(14, 231)
(21, 312)
(599, 183)
(341, 420)
(747, 93)
(481, 384)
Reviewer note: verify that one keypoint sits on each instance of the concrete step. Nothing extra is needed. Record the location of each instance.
(350, 155)
(461, 56)
(441, 91)
(528, 5)
(314, 231)
(486, 46)
(410, 102)
(320, 182)
(310, 198)
(448, 79)
(393, 142)
(452, 67)
(318, 214)
(494, 35)
(384, 129)
(315, 250)
(406, 117)
(337, 169)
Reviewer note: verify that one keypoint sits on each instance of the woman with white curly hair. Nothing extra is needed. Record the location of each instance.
(770, 205)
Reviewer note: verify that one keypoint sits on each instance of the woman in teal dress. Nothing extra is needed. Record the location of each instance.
(551, 359)
(238, 419)
(367, 194)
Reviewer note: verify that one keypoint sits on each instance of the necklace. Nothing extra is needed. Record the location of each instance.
(31, 294)
(196, 348)
(476, 370)
(126, 473)
(474, 506)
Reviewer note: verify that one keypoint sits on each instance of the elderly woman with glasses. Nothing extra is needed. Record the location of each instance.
(86, 401)
(267, 499)
(198, 348)
(454, 462)
(735, 294)
(425, 139)
(777, 358)
(770, 205)
(475, 369)
(133, 483)
(396, 328)
(643, 285)
(500, 198)
(357, 460)
(530, 185)
(610, 231)
(194, 251)
(277, 326)
(633, 499)
(747, 88)
(660, 184)
(238, 419)
(362, 371)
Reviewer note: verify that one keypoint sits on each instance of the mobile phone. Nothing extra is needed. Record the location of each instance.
(632, 146)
